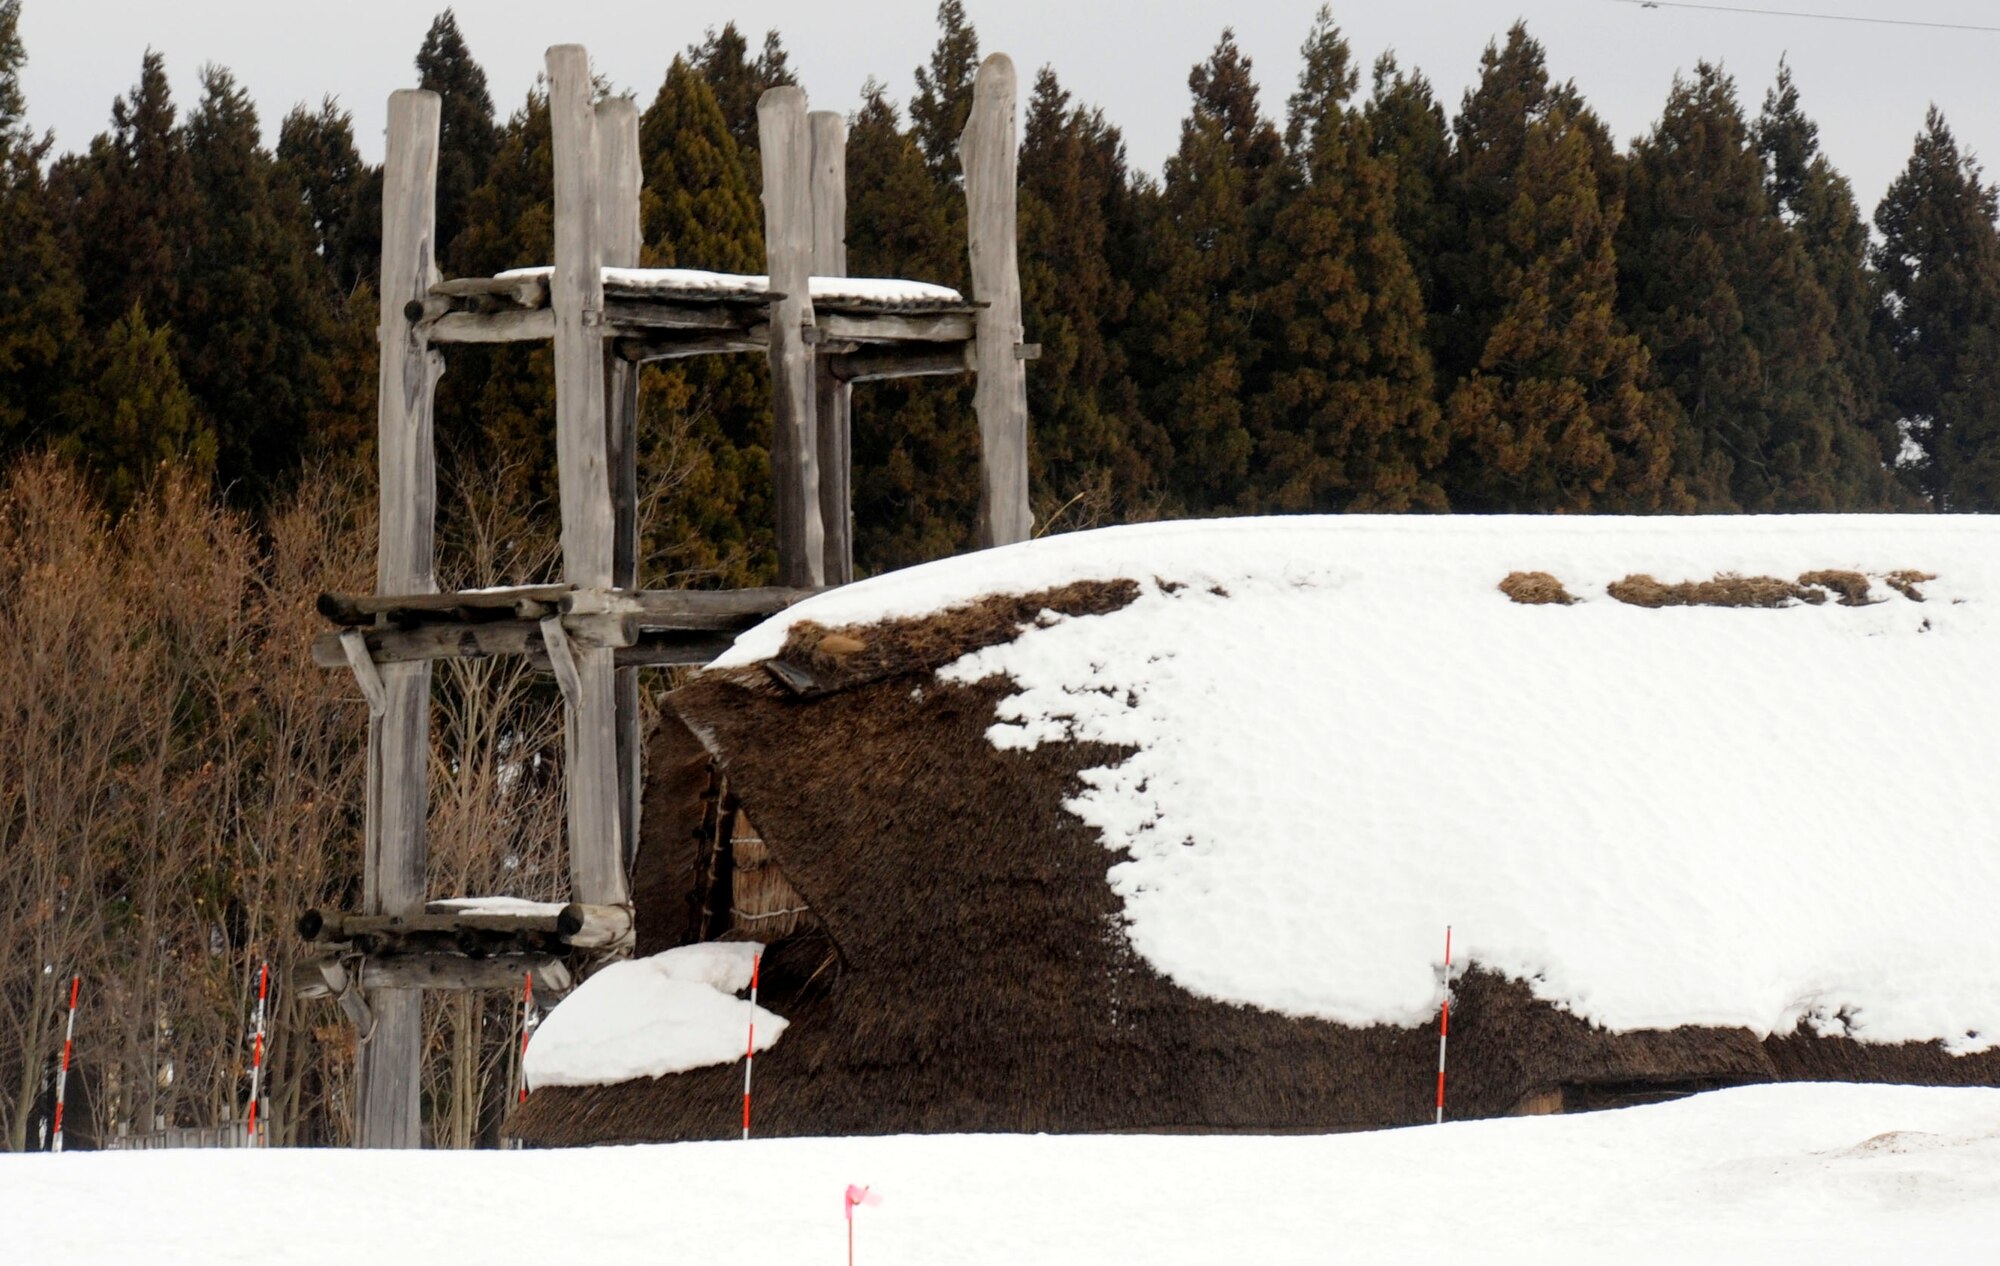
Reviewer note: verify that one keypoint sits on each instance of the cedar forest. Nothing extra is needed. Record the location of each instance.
(1364, 301)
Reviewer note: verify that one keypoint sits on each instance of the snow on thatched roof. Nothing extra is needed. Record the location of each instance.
(1344, 736)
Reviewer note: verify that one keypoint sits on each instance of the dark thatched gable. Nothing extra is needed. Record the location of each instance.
(965, 968)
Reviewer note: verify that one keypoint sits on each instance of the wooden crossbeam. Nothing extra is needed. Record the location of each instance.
(656, 608)
(648, 648)
(413, 972)
(578, 924)
(916, 327)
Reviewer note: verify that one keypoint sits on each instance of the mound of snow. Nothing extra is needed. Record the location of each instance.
(1825, 1174)
(1346, 738)
(651, 1016)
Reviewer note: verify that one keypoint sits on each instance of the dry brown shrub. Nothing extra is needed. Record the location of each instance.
(1906, 581)
(1726, 590)
(1535, 589)
(1851, 587)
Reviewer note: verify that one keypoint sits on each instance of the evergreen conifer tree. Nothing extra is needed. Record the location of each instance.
(1407, 130)
(737, 79)
(468, 138)
(1725, 299)
(943, 100)
(699, 212)
(916, 444)
(1818, 208)
(133, 414)
(495, 406)
(129, 205)
(1348, 420)
(255, 308)
(39, 296)
(1192, 338)
(1076, 229)
(317, 157)
(1939, 257)
(1551, 410)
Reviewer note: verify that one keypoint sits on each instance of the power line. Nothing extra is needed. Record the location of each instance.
(1818, 17)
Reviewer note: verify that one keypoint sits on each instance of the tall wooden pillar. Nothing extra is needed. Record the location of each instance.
(786, 151)
(619, 235)
(399, 728)
(1001, 395)
(833, 398)
(587, 673)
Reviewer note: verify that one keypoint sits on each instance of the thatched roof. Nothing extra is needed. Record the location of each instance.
(969, 967)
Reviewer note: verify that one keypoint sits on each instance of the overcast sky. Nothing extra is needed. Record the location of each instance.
(1866, 85)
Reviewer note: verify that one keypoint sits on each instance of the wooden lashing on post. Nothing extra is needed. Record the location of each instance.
(786, 151)
(619, 241)
(833, 401)
(576, 297)
(1000, 396)
(399, 729)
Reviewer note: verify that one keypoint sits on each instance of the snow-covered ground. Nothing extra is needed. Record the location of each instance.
(1822, 1174)
(1348, 738)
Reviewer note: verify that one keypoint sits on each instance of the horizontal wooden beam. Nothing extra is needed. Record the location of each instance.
(639, 350)
(526, 602)
(526, 326)
(635, 318)
(578, 924)
(833, 327)
(529, 291)
(879, 363)
(687, 609)
(649, 647)
(445, 971)
(696, 610)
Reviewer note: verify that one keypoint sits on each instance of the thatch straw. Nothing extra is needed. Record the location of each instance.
(1851, 587)
(763, 904)
(1726, 590)
(841, 658)
(966, 968)
(1536, 588)
(1906, 581)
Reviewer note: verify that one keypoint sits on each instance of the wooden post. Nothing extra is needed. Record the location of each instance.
(1001, 396)
(576, 297)
(399, 731)
(833, 397)
(619, 240)
(786, 151)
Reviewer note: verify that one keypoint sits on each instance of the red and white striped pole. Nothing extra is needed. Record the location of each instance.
(1444, 1024)
(62, 1077)
(750, 1050)
(527, 1028)
(257, 1051)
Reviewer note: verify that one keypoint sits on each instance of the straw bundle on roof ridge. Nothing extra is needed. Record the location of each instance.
(1850, 588)
(840, 658)
(1536, 588)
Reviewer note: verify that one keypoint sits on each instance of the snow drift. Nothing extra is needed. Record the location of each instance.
(651, 1016)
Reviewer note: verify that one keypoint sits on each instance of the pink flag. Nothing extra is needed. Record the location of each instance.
(859, 1195)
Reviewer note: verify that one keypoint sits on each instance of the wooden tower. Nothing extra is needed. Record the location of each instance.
(594, 630)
